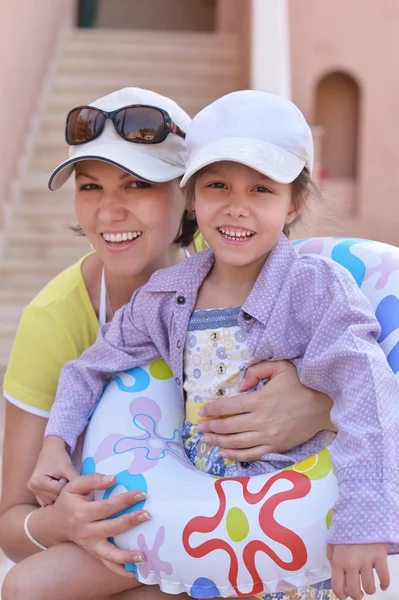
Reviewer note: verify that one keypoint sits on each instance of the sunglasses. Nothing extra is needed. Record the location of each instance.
(137, 123)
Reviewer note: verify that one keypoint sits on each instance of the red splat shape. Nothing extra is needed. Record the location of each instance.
(275, 531)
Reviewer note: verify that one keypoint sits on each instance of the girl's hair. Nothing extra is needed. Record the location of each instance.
(303, 188)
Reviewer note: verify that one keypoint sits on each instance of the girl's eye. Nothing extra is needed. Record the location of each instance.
(218, 185)
(262, 189)
(88, 186)
(140, 185)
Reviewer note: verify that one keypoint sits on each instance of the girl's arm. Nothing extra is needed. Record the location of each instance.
(120, 345)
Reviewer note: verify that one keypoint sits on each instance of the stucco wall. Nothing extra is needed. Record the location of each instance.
(360, 38)
(28, 31)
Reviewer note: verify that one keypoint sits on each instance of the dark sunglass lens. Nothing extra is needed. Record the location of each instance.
(141, 124)
(83, 125)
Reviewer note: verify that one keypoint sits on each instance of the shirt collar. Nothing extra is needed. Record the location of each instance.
(188, 274)
(270, 280)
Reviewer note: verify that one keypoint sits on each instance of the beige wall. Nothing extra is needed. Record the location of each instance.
(360, 38)
(28, 31)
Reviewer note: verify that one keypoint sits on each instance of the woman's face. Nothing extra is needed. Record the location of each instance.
(130, 223)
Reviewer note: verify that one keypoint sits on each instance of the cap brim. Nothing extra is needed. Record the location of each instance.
(125, 156)
(280, 165)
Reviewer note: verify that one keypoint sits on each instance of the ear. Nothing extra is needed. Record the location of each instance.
(291, 216)
(296, 208)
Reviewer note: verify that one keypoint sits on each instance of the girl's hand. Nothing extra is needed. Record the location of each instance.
(52, 472)
(280, 416)
(87, 523)
(353, 569)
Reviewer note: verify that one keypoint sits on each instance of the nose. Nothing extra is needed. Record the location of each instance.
(111, 209)
(235, 206)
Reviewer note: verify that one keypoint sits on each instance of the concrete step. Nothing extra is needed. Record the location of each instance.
(29, 275)
(65, 246)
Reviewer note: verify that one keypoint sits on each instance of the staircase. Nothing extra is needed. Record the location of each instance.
(192, 68)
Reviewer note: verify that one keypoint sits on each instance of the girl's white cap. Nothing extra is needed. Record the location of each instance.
(263, 131)
(156, 163)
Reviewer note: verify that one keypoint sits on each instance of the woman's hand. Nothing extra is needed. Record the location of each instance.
(280, 416)
(85, 522)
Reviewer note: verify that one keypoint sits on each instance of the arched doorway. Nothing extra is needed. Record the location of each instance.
(337, 112)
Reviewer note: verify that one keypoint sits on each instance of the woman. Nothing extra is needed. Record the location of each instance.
(129, 205)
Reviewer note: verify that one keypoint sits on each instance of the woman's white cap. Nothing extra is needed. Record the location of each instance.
(265, 132)
(153, 162)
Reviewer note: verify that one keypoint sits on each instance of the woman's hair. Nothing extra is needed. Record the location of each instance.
(303, 188)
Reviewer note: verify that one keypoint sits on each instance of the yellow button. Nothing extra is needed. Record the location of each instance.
(214, 336)
(222, 369)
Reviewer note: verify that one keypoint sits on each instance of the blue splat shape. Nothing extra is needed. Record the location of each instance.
(387, 313)
(131, 483)
(132, 568)
(204, 588)
(141, 380)
(88, 466)
(342, 255)
(393, 358)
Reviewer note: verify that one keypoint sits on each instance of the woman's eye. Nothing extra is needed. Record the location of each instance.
(140, 185)
(88, 186)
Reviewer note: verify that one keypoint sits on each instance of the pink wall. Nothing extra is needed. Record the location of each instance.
(28, 32)
(358, 37)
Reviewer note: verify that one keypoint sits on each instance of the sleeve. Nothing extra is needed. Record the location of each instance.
(120, 345)
(344, 360)
(41, 348)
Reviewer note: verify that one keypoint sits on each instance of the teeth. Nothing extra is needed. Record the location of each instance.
(121, 237)
(236, 234)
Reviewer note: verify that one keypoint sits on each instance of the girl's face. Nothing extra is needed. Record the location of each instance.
(130, 223)
(240, 212)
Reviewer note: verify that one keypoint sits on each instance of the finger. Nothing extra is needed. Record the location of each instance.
(103, 509)
(85, 484)
(109, 552)
(381, 567)
(118, 569)
(43, 484)
(263, 370)
(367, 579)
(113, 527)
(239, 441)
(338, 582)
(69, 473)
(228, 425)
(247, 455)
(353, 588)
(233, 405)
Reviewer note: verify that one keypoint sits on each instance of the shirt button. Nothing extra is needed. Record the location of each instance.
(220, 392)
(214, 336)
(180, 300)
(177, 380)
(245, 465)
(246, 316)
(221, 369)
(178, 344)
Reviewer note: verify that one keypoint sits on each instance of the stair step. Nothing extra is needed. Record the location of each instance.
(64, 246)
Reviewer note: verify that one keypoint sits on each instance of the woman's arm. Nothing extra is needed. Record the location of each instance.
(278, 417)
(73, 517)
